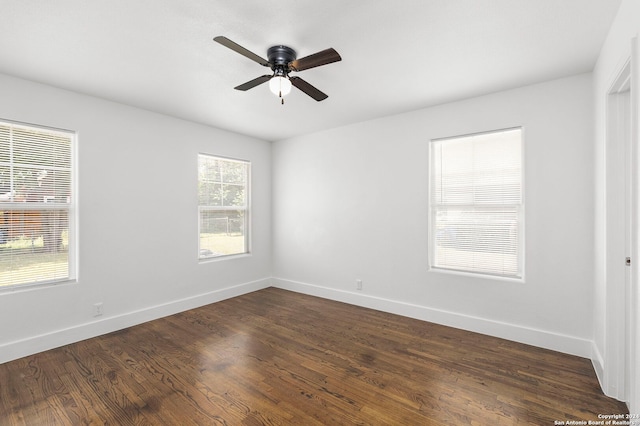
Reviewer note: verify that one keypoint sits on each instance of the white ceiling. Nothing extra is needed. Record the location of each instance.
(397, 55)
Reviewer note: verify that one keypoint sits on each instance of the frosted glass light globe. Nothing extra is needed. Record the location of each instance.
(280, 86)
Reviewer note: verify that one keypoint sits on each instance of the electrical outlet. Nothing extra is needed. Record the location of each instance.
(358, 284)
(97, 309)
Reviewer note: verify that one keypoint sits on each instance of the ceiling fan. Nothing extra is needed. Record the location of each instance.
(282, 60)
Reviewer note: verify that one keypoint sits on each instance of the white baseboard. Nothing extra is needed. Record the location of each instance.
(540, 338)
(34, 344)
(598, 365)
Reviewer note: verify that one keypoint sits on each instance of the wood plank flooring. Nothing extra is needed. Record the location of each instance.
(275, 357)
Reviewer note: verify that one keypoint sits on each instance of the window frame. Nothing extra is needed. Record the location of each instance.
(71, 208)
(520, 246)
(246, 209)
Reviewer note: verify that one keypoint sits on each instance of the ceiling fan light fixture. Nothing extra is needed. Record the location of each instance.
(282, 60)
(280, 86)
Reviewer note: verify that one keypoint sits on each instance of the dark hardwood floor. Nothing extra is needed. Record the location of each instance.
(276, 357)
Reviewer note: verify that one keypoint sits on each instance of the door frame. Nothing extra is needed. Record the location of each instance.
(622, 157)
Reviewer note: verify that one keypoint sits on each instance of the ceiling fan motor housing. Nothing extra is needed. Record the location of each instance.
(280, 56)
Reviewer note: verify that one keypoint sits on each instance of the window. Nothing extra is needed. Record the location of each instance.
(223, 194)
(36, 205)
(476, 208)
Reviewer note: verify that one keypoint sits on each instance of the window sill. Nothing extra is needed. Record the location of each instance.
(19, 288)
(476, 275)
(222, 257)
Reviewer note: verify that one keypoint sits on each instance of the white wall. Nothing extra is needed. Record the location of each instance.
(351, 203)
(137, 220)
(615, 51)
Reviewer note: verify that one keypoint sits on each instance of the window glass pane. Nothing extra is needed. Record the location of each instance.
(234, 195)
(35, 147)
(222, 195)
(4, 144)
(479, 169)
(476, 203)
(35, 203)
(210, 193)
(41, 185)
(478, 240)
(222, 233)
(209, 181)
(235, 172)
(34, 246)
(5, 183)
(221, 182)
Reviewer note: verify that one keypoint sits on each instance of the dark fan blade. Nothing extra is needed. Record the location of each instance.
(321, 58)
(241, 50)
(253, 83)
(308, 89)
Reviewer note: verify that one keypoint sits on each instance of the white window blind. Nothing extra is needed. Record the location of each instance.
(476, 204)
(36, 205)
(223, 195)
